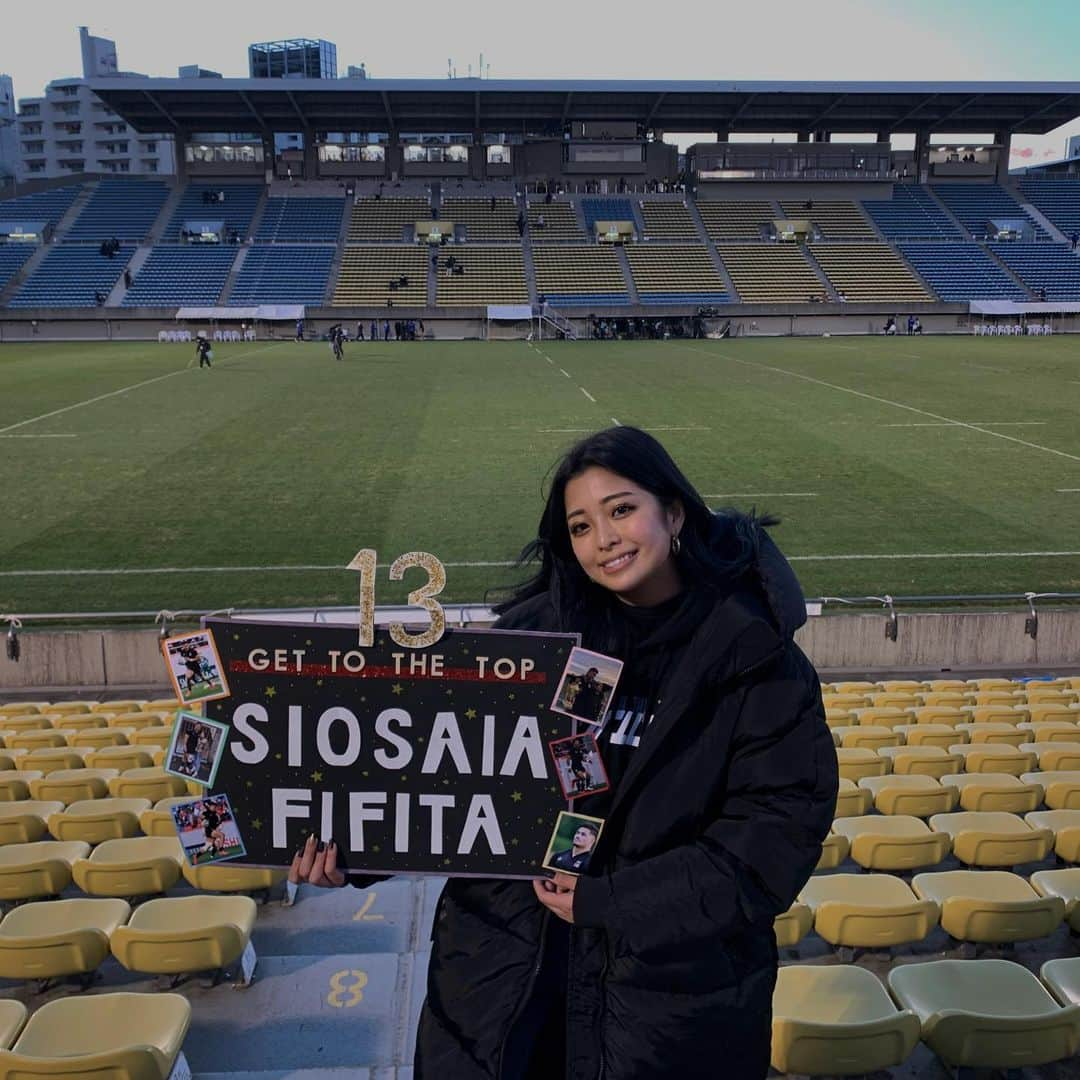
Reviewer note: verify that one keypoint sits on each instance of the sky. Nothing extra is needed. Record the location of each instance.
(767, 39)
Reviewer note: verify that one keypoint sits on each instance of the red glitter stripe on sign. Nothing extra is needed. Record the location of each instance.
(324, 671)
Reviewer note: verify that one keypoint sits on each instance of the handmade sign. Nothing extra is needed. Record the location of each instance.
(413, 760)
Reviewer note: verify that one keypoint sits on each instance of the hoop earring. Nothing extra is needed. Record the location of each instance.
(676, 545)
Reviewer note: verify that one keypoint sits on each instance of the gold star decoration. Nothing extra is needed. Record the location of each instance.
(511, 696)
(308, 642)
(250, 783)
(236, 637)
(470, 714)
(375, 848)
(316, 777)
(318, 682)
(270, 691)
(277, 757)
(449, 693)
(256, 824)
(514, 841)
(446, 862)
(398, 688)
(516, 796)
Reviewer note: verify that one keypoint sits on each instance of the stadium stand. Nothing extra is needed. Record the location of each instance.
(125, 209)
(482, 222)
(770, 273)
(48, 206)
(675, 274)
(236, 211)
(911, 213)
(283, 275)
(666, 220)
(579, 276)
(1053, 267)
(962, 271)
(1056, 200)
(834, 220)
(973, 205)
(560, 222)
(70, 277)
(296, 219)
(869, 272)
(12, 257)
(375, 219)
(493, 275)
(606, 210)
(174, 276)
(366, 273)
(736, 220)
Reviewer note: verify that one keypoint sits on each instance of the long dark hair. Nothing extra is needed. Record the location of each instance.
(714, 548)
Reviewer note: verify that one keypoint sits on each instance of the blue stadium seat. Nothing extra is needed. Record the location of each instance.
(975, 204)
(1058, 200)
(283, 275)
(12, 256)
(961, 271)
(684, 298)
(1053, 267)
(298, 219)
(561, 300)
(911, 212)
(125, 209)
(70, 275)
(603, 209)
(236, 211)
(178, 276)
(48, 206)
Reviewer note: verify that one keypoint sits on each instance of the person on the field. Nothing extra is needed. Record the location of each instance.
(203, 350)
(660, 960)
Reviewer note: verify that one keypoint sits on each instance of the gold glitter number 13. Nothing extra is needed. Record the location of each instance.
(365, 561)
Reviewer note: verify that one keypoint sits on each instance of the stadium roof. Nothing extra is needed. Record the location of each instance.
(460, 105)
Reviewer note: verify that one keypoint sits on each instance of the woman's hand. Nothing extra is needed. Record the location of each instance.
(316, 863)
(557, 895)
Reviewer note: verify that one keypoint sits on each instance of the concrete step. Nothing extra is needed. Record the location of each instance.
(73, 211)
(161, 222)
(230, 282)
(826, 284)
(138, 260)
(1044, 222)
(624, 262)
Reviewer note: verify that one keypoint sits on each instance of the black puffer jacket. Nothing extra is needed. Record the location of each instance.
(715, 826)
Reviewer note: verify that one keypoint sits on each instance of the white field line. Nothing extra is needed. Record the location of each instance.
(987, 423)
(616, 421)
(39, 436)
(1066, 491)
(124, 390)
(587, 394)
(890, 556)
(886, 401)
(764, 495)
(565, 372)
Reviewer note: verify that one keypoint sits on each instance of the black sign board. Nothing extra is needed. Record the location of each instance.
(413, 760)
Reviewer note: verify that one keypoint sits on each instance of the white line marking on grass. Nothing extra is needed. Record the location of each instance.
(764, 495)
(1066, 491)
(565, 372)
(39, 436)
(123, 390)
(886, 401)
(485, 564)
(587, 394)
(616, 421)
(987, 423)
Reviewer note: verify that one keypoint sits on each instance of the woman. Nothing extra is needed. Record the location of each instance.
(576, 857)
(659, 961)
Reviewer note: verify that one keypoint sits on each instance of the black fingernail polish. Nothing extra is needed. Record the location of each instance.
(319, 846)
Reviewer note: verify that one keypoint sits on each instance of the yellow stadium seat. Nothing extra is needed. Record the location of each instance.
(1050, 695)
(228, 877)
(24, 722)
(9, 759)
(993, 757)
(25, 821)
(158, 821)
(1051, 712)
(954, 698)
(851, 800)
(16, 708)
(184, 934)
(96, 820)
(1065, 825)
(940, 735)
(947, 686)
(151, 737)
(902, 686)
(834, 850)
(791, 927)
(58, 938)
(986, 1013)
(839, 717)
(96, 738)
(119, 757)
(837, 1021)
(895, 842)
(35, 740)
(910, 794)
(1055, 756)
(1064, 884)
(1061, 790)
(996, 714)
(993, 838)
(867, 911)
(938, 714)
(48, 761)
(133, 866)
(12, 1018)
(898, 701)
(989, 685)
(122, 706)
(15, 784)
(881, 716)
(990, 906)
(982, 792)
(1062, 978)
(1048, 731)
(857, 762)
(85, 722)
(136, 720)
(42, 868)
(60, 708)
(162, 705)
(72, 785)
(922, 760)
(856, 687)
(119, 1036)
(847, 701)
(152, 783)
(1000, 734)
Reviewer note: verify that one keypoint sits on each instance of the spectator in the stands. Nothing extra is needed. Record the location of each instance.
(1042, 293)
(540, 223)
(128, 279)
(99, 297)
(493, 204)
(1075, 239)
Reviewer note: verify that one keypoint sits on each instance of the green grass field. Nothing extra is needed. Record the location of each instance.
(271, 470)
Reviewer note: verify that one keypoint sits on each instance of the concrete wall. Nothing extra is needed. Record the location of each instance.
(927, 641)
